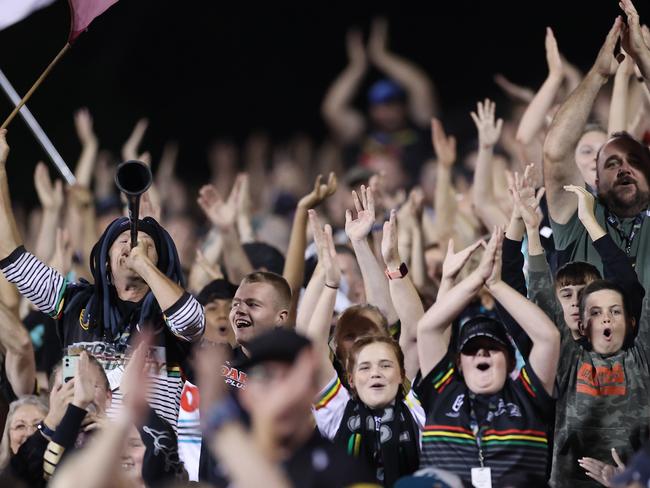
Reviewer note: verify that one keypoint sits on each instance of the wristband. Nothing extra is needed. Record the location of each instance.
(44, 429)
(401, 272)
(222, 413)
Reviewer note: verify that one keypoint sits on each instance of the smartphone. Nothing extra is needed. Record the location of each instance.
(69, 367)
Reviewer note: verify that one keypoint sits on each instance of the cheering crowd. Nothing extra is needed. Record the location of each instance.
(390, 308)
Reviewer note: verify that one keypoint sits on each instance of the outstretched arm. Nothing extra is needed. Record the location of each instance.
(445, 198)
(51, 198)
(559, 164)
(294, 265)
(414, 80)
(618, 106)
(483, 197)
(545, 351)
(533, 121)
(357, 230)
(434, 328)
(8, 229)
(404, 296)
(319, 325)
(345, 122)
(83, 123)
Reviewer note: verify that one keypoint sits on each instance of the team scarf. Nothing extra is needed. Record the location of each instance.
(386, 439)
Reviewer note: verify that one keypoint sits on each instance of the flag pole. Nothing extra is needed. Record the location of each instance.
(35, 86)
(38, 131)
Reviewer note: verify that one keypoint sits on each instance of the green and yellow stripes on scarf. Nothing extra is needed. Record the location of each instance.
(58, 308)
(330, 392)
(354, 445)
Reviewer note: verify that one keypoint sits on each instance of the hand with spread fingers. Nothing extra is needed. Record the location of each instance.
(600, 471)
(364, 204)
(489, 130)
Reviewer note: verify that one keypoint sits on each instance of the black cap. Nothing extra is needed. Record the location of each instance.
(482, 326)
(279, 344)
(216, 290)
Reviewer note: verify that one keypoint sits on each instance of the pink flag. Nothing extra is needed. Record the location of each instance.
(83, 12)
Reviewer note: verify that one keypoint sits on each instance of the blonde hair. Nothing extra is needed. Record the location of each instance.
(5, 444)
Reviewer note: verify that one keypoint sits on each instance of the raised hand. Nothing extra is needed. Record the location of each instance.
(134, 381)
(326, 251)
(84, 384)
(222, 214)
(454, 261)
(320, 192)
(130, 148)
(600, 471)
(606, 63)
(585, 203)
(359, 228)
(525, 199)
(356, 50)
(212, 270)
(553, 58)
(50, 196)
(495, 275)
(83, 123)
(378, 40)
(207, 361)
(60, 396)
(389, 247)
(633, 38)
(443, 145)
(488, 131)
(62, 258)
(486, 266)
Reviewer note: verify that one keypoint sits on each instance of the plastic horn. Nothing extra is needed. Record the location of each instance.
(133, 178)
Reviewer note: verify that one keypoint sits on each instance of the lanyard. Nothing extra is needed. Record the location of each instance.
(636, 226)
(476, 429)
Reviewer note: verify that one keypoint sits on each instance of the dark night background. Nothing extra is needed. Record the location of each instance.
(201, 71)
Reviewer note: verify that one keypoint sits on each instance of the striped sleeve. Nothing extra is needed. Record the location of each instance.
(329, 407)
(40, 284)
(186, 318)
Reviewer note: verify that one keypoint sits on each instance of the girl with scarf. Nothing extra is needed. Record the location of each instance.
(375, 420)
